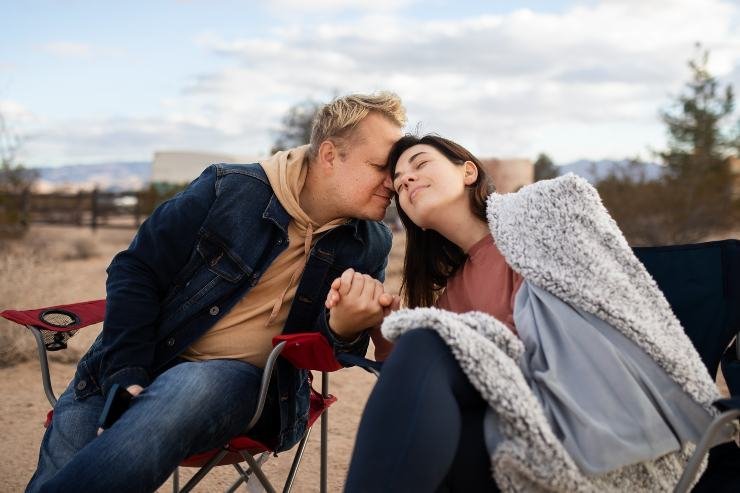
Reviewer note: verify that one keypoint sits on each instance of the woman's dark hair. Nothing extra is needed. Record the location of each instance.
(431, 258)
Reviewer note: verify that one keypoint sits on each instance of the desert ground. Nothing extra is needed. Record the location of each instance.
(58, 265)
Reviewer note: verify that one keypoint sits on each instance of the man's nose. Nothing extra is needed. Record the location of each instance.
(387, 182)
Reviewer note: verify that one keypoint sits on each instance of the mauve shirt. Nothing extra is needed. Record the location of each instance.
(484, 283)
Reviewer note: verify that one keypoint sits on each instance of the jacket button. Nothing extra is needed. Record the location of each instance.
(284, 397)
(213, 310)
(171, 341)
(81, 385)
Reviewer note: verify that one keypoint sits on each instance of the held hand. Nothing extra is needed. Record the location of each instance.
(332, 297)
(390, 302)
(394, 305)
(360, 305)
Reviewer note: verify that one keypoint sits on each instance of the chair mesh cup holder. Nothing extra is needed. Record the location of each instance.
(56, 340)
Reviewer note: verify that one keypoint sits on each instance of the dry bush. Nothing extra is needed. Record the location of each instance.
(52, 266)
(81, 249)
(671, 210)
(20, 274)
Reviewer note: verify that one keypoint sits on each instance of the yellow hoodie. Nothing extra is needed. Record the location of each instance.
(246, 331)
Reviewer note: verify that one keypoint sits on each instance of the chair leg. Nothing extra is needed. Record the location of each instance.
(44, 361)
(257, 470)
(296, 462)
(245, 476)
(324, 433)
(204, 470)
(176, 480)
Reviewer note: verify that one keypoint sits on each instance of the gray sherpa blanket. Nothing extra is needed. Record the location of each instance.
(559, 236)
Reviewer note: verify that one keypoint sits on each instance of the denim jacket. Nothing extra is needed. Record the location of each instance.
(194, 258)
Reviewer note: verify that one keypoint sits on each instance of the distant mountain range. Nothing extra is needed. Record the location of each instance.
(593, 171)
(121, 176)
(111, 177)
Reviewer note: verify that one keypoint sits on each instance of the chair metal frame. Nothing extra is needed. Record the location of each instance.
(245, 475)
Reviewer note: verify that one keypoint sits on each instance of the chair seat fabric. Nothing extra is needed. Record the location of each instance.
(317, 405)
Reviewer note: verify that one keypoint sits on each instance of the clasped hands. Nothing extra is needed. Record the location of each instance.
(357, 302)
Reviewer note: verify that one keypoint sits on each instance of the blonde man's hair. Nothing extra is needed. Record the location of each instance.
(337, 120)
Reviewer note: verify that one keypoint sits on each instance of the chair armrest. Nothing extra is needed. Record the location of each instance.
(732, 402)
(59, 318)
(53, 326)
(309, 351)
(728, 420)
(348, 359)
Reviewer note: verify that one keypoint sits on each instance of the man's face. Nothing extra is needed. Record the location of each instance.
(362, 180)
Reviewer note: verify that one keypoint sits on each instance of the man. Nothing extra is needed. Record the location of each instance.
(243, 254)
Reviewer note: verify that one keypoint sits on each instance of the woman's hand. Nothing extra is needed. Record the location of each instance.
(357, 302)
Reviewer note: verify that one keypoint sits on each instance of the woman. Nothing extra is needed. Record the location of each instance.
(555, 361)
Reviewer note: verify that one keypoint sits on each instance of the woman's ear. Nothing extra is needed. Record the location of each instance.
(471, 173)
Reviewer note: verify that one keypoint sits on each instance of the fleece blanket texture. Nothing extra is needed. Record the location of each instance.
(558, 235)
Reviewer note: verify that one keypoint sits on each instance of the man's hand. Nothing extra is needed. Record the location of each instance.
(134, 390)
(357, 302)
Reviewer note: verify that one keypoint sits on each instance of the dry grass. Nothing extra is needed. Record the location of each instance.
(52, 266)
(37, 271)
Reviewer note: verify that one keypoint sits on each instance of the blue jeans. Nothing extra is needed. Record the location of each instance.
(192, 407)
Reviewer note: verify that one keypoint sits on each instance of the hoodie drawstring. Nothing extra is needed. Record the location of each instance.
(296, 275)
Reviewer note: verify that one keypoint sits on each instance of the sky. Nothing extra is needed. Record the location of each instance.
(103, 81)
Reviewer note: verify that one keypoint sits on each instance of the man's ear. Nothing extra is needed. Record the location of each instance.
(328, 154)
(471, 173)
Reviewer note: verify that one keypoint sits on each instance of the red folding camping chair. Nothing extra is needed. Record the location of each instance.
(53, 326)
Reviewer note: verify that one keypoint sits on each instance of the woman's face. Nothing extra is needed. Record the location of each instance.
(430, 187)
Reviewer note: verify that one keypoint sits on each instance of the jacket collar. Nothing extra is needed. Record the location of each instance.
(276, 213)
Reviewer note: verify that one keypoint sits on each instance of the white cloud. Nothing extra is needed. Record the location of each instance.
(291, 6)
(68, 49)
(587, 82)
(15, 111)
(499, 80)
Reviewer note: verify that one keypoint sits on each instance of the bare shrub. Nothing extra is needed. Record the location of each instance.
(34, 273)
(81, 249)
(19, 273)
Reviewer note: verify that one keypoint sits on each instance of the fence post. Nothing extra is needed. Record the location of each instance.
(137, 209)
(25, 207)
(79, 209)
(94, 208)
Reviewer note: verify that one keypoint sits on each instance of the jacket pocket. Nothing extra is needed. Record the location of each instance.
(219, 259)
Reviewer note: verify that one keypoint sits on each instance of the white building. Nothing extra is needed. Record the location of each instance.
(185, 166)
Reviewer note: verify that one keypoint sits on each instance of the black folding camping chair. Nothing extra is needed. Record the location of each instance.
(702, 284)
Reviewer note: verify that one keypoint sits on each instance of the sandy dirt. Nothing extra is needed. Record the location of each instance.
(57, 265)
(64, 265)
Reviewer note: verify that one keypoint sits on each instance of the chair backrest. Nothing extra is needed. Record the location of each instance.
(702, 284)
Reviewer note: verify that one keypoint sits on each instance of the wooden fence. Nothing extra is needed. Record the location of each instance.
(93, 209)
